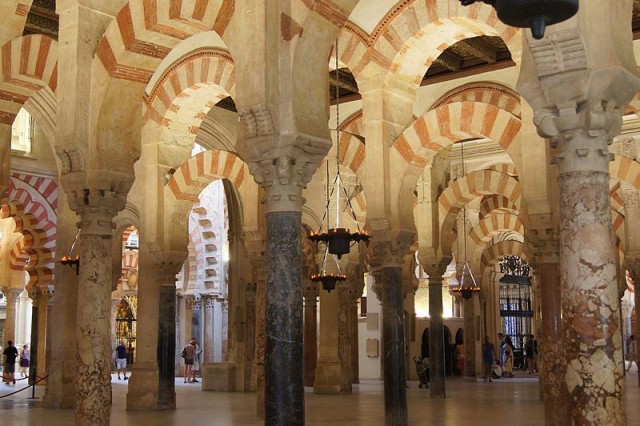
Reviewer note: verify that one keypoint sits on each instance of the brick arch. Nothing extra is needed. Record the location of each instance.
(352, 149)
(625, 169)
(495, 223)
(27, 65)
(200, 170)
(495, 252)
(199, 79)
(440, 128)
(473, 185)
(204, 239)
(144, 32)
(496, 202)
(406, 25)
(486, 93)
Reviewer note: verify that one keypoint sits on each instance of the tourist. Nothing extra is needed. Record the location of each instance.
(632, 352)
(188, 353)
(10, 354)
(508, 357)
(24, 361)
(121, 360)
(196, 360)
(488, 356)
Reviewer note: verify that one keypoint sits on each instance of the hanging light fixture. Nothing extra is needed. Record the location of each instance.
(467, 287)
(534, 14)
(338, 239)
(72, 262)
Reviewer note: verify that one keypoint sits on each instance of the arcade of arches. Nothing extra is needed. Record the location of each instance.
(178, 149)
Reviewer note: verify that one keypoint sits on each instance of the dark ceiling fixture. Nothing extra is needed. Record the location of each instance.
(72, 262)
(534, 14)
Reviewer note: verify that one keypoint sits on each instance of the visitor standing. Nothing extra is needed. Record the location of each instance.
(632, 352)
(508, 357)
(488, 356)
(10, 354)
(188, 353)
(121, 360)
(25, 358)
(196, 360)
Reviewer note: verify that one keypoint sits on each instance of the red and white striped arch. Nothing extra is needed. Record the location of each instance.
(199, 171)
(27, 65)
(625, 169)
(352, 149)
(407, 30)
(189, 88)
(494, 224)
(486, 93)
(14, 15)
(473, 185)
(443, 126)
(32, 205)
(496, 202)
(495, 252)
(145, 31)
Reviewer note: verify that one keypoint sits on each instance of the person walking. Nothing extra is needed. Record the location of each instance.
(121, 359)
(488, 357)
(188, 353)
(25, 358)
(10, 354)
(508, 357)
(196, 360)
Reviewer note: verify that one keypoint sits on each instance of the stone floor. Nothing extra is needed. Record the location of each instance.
(467, 403)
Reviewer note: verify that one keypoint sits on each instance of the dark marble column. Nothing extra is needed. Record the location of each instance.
(551, 348)
(166, 350)
(36, 299)
(395, 377)
(93, 328)
(436, 335)
(310, 331)
(284, 376)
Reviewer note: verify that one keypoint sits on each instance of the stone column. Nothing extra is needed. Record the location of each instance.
(166, 347)
(388, 251)
(469, 336)
(344, 338)
(310, 292)
(580, 119)
(551, 347)
(196, 318)
(12, 295)
(328, 375)
(355, 293)
(436, 333)
(50, 333)
(209, 324)
(93, 328)
(250, 337)
(34, 364)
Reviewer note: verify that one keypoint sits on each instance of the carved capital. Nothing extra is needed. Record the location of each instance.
(546, 244)
(167, 271)
(389, 248)
(208, 301)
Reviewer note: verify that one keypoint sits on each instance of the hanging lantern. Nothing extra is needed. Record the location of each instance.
(328, 280)
(534, 14)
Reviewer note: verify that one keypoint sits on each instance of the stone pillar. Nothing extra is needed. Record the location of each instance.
(553, 367)
(166, 348)
(344, 338)
(355, 293)
(196, 319)
(328, 376)
(250, 336)
(469, 336)
(93, 328)
(34, 364)
(12, 295)
(580, 119)
(50, 333)
(209, 324)
(310, 292)
(388, 250)
(436, 333)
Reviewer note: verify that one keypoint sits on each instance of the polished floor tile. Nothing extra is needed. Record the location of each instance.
(467, 403)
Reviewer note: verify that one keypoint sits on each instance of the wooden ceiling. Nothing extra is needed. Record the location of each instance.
(42, 19)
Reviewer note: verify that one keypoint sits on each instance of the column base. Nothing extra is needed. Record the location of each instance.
(143, 387)
(328, 378)
(219, 377)
(61, 388)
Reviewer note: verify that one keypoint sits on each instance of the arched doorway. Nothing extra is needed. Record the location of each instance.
(126, 325)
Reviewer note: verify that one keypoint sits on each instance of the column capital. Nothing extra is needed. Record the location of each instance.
(281, 164)
(11, 293)
(208, 301)
(389, 247)
(546, 244)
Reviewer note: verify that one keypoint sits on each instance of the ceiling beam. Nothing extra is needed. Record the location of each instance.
(346, 81)
(479, 49)
(448, 60)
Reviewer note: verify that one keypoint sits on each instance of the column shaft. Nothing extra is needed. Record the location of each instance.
(310, 338)
(551, 348)
(328, 378)
(436, 337)
(284, 382)
(35, 337)
(11, 295)
(344, 340)
(353, 323)
(93, 358)
(469, 337)
(589, 291)
(395, 377)
(208, 330)
(250, 338)
(167, 345)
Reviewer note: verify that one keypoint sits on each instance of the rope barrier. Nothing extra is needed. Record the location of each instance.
(39, 379)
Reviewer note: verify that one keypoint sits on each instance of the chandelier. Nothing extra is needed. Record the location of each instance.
(467, 286)
(337, 238)
(70, 261)
(515, 270)
(534, 14)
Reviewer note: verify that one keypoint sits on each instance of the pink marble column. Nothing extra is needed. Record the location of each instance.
(594, 376)
(551, 348)
(310, 291)
(93, 328)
